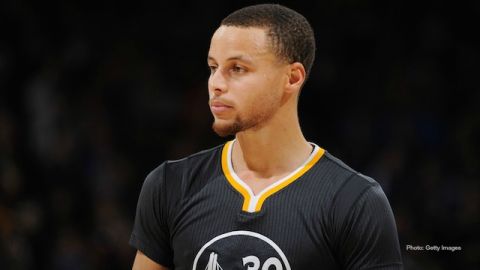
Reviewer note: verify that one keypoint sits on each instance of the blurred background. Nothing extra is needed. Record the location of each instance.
(95, 94)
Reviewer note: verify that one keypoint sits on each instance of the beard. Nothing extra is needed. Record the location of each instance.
(227, 129)
(254, 120)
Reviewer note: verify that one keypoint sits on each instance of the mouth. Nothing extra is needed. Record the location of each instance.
(218, 107)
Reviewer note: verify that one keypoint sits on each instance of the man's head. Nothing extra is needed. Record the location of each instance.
(259, 58)
(290, 34)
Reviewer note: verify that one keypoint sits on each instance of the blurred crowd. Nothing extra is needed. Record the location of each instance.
(95, 95)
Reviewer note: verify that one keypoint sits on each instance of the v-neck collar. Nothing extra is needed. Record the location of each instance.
(253, 203)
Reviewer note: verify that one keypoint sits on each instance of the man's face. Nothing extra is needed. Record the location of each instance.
(247, 79)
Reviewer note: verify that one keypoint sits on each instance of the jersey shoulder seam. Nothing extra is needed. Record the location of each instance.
(196, 155)
(338, 162)
(347, 168)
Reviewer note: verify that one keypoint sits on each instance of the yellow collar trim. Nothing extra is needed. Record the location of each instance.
(251, 202)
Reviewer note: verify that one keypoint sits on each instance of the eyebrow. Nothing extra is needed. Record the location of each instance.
(236, 57)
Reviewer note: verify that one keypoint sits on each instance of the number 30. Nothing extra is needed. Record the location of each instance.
(253, 263)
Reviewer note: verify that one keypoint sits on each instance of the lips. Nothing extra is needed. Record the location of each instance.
(218, 106)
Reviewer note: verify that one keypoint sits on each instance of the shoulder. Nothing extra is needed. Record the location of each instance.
(197, 160)
(344, 184)
(352, 189)
(341, 175)
(359, 220)
(175, 174)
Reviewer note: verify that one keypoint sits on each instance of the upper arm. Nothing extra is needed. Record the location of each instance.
(142, 262)
(367, 234)
(151, 233)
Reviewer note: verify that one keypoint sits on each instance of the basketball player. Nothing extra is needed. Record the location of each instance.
(269, 199)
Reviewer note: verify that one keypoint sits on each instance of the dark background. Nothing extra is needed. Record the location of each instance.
(95, 94)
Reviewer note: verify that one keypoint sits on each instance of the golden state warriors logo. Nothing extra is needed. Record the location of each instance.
(241, 250)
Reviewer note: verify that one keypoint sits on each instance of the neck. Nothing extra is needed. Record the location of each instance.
(276, 148)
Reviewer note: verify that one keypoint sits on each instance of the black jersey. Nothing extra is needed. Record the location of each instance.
(196, 213)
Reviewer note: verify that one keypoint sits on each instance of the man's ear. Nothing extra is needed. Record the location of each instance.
(296, 77)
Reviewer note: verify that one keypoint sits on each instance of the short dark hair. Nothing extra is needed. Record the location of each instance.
(292, 36)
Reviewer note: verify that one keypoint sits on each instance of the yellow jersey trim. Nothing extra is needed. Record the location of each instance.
(254, 203)
(225, 166)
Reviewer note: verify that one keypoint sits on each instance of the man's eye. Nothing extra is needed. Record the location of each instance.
(212, 68)
(238, 69)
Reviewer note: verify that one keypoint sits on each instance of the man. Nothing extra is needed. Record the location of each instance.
(268, 199)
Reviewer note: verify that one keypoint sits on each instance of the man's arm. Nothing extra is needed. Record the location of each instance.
(142, 262)
(150, 236)
(365, 228)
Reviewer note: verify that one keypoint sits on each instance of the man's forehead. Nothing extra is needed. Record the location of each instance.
(243, 43)
(241, 57)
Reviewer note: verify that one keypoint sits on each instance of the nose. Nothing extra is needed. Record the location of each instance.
(217, 83)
